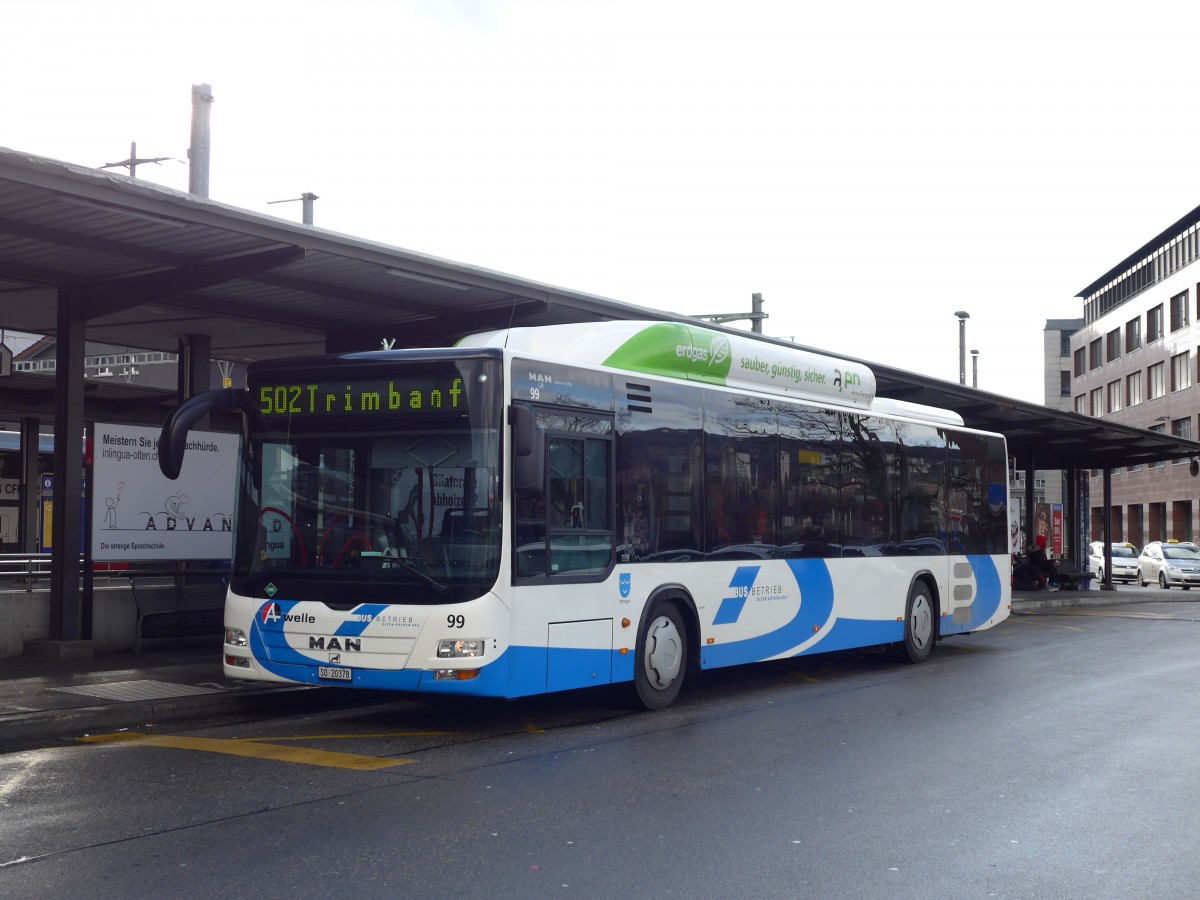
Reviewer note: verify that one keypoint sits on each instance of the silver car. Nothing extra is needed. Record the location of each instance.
(1168, 563)
(1124, 561)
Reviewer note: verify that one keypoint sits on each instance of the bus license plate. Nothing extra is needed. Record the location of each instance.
(334, 673)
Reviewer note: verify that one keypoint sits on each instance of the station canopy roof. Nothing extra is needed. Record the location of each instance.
(151, 264)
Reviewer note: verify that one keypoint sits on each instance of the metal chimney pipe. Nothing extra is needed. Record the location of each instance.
(200, 150)
(962, 345)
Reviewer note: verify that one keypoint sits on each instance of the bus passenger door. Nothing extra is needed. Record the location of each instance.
(579, 654)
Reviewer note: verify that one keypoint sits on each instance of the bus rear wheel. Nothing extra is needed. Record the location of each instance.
(919, 623)
(662, 656)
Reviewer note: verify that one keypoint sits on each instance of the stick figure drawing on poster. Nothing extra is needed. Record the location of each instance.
(110, 514)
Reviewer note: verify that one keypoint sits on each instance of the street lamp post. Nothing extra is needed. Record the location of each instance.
(962, 345)
(975, 368)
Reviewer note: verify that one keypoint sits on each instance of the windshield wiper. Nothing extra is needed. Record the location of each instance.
(424, 576)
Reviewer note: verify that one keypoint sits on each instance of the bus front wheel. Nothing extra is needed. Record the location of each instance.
(661, 662)
(919, 623)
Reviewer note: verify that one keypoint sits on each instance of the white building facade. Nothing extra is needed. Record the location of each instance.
(1134, 361)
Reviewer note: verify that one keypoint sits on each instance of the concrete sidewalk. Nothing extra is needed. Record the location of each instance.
(44, 699)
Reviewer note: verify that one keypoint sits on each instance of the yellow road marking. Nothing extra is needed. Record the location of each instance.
(350, 737)
(807, 678)
(530, 728)
(251, 749)
(1028, 619)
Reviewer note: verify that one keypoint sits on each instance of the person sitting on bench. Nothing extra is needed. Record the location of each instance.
(1046, 568)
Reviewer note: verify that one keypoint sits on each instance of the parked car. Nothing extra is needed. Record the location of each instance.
(1168, 563)
(1124, 561)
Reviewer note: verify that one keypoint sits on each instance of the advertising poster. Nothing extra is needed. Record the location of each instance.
(1049, 523)
(1041, 524)
(139, 514)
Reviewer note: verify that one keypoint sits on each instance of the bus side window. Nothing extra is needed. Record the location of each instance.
(530, 524)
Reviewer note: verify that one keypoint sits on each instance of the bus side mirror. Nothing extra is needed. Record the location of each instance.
(172, 441)
(528, 445)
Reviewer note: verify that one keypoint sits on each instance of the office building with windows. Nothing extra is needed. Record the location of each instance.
(1049, 488)
(1134, 361)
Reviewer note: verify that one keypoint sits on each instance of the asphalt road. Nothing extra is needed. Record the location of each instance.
(1054, 756)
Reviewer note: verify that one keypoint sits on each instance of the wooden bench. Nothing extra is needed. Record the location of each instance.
(177, 603)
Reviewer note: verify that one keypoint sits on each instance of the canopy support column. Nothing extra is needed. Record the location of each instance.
(68, 617)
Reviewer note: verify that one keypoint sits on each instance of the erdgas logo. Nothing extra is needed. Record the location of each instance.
(719, 350)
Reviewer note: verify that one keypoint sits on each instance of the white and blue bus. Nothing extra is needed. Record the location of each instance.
(543, 509)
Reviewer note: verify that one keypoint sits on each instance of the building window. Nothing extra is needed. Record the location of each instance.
(1081, 404)
(1182, 428)
(1098, 402)
(1114, 396)
(1179, 311)
(1133, 335)
(1154, 324)
(1158, 429)
(1095, 355)
(1181, 371)
(1080, 361)
(1113, 344)
(1156, 384)
(1133, 389)
(1064, 343)
(1064, 383)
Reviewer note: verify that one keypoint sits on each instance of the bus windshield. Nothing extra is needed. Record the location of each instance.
(372, 487)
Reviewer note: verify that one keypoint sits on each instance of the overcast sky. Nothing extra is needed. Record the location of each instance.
(869, 167)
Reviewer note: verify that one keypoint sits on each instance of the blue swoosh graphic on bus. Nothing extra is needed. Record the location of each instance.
(987, 596)
(816, 606)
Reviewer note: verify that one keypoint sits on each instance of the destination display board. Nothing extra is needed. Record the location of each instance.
(412, 394)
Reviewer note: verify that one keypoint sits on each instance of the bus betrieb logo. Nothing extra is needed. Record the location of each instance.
(740, 584)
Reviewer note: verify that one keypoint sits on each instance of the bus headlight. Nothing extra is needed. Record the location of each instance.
(235, 637)
(460, 648)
